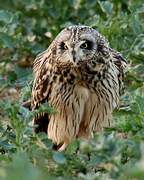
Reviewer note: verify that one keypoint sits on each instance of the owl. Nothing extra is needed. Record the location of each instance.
(81, 77)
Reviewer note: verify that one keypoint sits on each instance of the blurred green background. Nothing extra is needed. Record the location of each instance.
(26, 28)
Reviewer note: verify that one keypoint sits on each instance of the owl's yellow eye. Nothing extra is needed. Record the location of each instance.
(63, 46)
(84, 45)
(87, 45)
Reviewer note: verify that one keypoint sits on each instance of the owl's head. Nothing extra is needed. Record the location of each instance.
(81, 47)
(79, 44)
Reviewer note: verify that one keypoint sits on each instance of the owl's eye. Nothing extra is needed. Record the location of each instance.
(63, 46)
(87, 45)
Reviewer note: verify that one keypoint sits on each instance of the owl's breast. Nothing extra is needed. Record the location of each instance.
(82, 92)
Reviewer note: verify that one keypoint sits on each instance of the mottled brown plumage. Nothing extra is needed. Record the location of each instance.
(81, 77)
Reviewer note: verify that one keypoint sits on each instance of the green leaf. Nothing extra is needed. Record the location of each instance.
(46, 108)
(6, 41)
(106, 7)
(6, 146)
(12, 76)
(22, 168)
(59, 157)
(6, 16)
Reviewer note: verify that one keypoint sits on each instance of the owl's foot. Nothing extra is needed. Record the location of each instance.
(61, 147)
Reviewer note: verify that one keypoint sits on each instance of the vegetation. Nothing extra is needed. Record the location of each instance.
(27, 28)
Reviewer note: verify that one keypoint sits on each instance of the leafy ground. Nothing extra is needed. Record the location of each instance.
(26, 28)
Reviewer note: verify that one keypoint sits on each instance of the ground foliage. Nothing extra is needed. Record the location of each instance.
(27, 28)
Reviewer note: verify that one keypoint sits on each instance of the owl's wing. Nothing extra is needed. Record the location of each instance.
(41, 88)
(121, 65)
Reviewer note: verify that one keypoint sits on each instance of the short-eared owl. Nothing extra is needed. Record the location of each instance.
(81, 77)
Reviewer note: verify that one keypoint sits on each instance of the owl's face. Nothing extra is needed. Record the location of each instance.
(78, 44)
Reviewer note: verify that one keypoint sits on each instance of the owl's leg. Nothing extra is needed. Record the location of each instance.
(64, 126)
(59, 132)
(83, 131)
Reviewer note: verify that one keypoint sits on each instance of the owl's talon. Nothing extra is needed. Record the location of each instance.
(63, 147)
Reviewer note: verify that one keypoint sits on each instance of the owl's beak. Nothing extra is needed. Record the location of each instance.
(73, 55)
